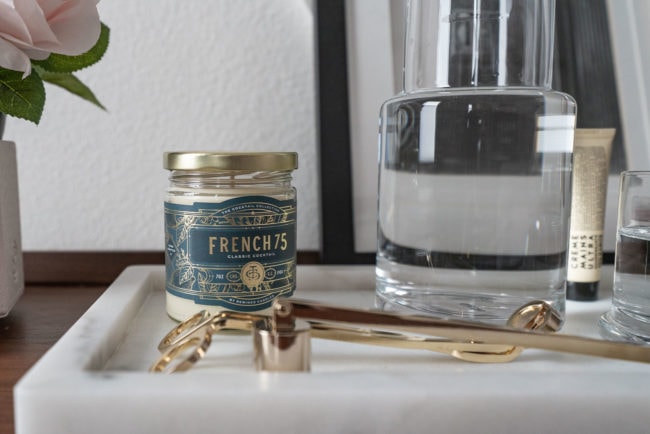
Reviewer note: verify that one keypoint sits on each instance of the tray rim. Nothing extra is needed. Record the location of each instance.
(65, 373)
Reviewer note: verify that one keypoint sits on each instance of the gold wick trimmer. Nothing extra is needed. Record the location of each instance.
(282, 340)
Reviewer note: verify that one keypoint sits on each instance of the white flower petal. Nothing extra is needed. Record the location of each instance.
(12, 26)
(76, 25)
(35, 20)
(40, 27)
(13, 58)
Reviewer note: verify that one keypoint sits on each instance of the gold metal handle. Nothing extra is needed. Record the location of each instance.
(282, 341)
(467, 351)
(463, 331)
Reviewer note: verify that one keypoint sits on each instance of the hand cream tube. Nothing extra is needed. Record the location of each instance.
(591, 154)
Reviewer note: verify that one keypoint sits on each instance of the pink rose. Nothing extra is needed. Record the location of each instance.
(32, 29)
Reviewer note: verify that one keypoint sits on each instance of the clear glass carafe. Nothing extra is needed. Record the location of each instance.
(475, 164)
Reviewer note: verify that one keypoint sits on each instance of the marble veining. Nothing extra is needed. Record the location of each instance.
(95, 378)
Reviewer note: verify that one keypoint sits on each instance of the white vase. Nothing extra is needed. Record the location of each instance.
(11, 258)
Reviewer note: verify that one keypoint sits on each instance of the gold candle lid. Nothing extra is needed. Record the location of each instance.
(249, 161)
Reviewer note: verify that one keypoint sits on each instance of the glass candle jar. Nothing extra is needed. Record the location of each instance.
(230, 231)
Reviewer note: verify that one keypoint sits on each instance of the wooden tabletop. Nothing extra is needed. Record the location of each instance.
(41, 316)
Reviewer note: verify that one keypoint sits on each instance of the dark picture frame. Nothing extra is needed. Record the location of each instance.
(583, 67)
(337, 234)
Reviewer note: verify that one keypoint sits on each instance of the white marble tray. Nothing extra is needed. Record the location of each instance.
(95, 379)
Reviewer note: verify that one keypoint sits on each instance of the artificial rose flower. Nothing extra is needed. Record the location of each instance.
(32, 29)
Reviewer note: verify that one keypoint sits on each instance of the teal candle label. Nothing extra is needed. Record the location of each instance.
(239, 254)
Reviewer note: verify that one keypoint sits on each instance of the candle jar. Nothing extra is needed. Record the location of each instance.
(230, 231)
(475, 164)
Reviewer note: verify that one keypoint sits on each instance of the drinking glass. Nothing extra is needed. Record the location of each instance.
(629, 316)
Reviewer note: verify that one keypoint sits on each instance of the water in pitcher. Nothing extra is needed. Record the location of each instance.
(474, 201)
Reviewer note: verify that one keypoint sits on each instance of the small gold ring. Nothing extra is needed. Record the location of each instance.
(198, 345)
(195, 334)
(191, 326)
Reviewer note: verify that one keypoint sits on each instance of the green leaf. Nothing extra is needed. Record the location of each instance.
(60, 63)
(70, 83)
(21, 98)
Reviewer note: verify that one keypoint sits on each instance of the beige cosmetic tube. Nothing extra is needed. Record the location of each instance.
(591, 155)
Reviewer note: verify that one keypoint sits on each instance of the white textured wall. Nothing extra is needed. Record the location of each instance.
(216, 75)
